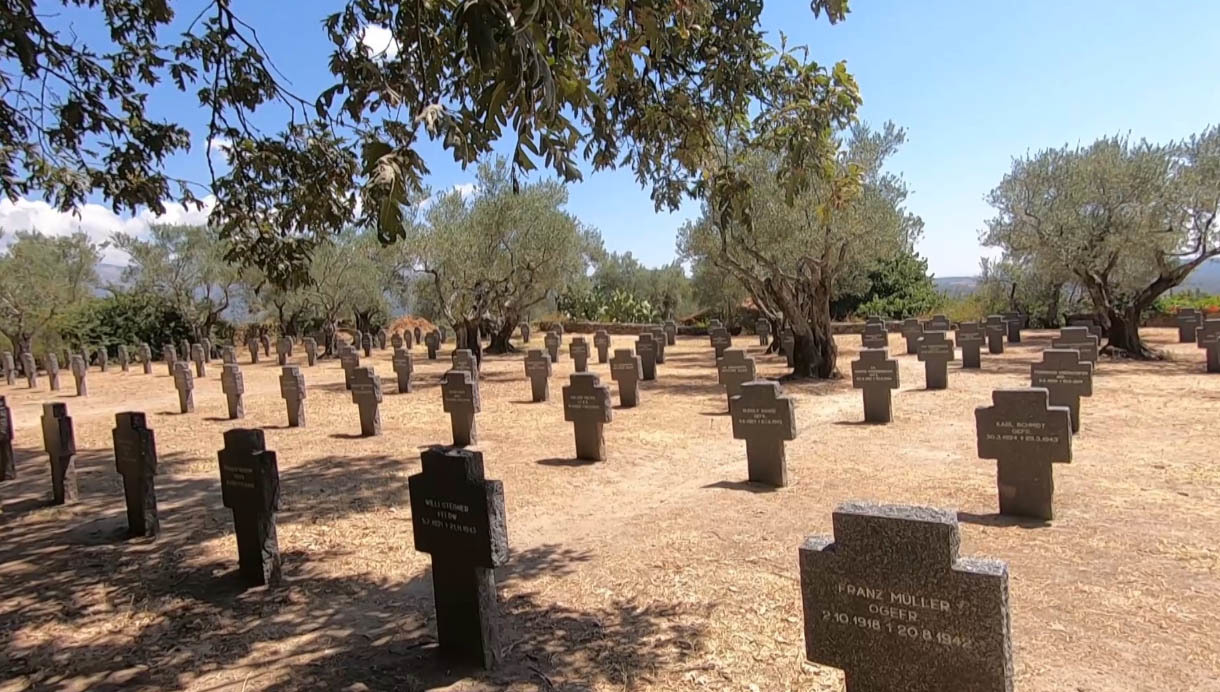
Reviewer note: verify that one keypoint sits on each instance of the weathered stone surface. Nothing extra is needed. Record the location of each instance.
(460, 399)
(200, 361)
(233, 385)
(763, 329)
(874, 336)
(935, 351)
(30, 368)
(875, 374)
(404, 368)
(250, 487)
(80, 373)
(463, 359)
(349, 360)
(292, 390)
(578, 351)
(997, 330)
(1066, 377)
(1014, 321)
(366, 345)
(52, 363)
(734, 369)
(601, 341)
(938, 323)
(207, 350)
(538, 370)
(396, 340)
(1079, 339)
(525, 332)
(283, 348)
(1025, 436)
(228, 355)
(264, 340)
(252, 345)
(552, 342)
(658, 338)
(135, 459)
(146, 358)
(787, 346)
(169, 354)
(366, 394)
(1189, 320)
(382, 335)
(310, 346)
(103, 358)
(671, 332)
(626, 369)
(433, 342)
(184, 382)
(646, 349)
(765, 420)
(8, 463)
(59, 440)
(458, 517)
(124, 358)
(721, 340)
(889, 601)
(970, 338)
(586, 404)
(9, 367)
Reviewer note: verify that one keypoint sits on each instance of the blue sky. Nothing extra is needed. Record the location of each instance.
(974, 83)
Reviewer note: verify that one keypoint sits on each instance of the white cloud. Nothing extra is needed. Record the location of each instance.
(96, 221)
(466, 190)
(220, 144)
(379, 41)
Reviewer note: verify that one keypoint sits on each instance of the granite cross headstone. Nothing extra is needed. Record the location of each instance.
(721, 340)
(31, 369)
(135, 458)
(627, 370)
(432, 341)
(418, 335)
(1207, 337)
(207, 350)
(404, 367)
(265, 341)
(8, 463)
(551, 341)
(310, 346)
(525, 332)
(787, 346)
(762, 328)
(282, 347)
(103, 358)
(201, 363)
(938, 323)
(912, 331)
(463, 359)
(1080, 339)
(1014, 321)
(671, 333)
(292, 390)
(460, 399)
(1189, 319)
(970, 338)
(185, 384)
(228, 355)
(366, 394)
(250, 487)
(186, 350)
(59, 439)
(734, 369)
(874, 336)
(1066, 376)
(659, 338)
(935, 351)
(601, 342)
(1025, 435)
(997, 330)
(80, 373)
(538, 370)
(253, 346)
(578, 351)
(52, 362)
(586, 404)
(234, 387)
(646, 349)
(170, 355)
(146, 357)
(876, 375)
(10, 369)
(396, 341)
(381, 338)
(349, 360)
(124, 358)
(765, 420)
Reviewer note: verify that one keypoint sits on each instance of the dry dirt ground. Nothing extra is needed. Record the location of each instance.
(657, 569)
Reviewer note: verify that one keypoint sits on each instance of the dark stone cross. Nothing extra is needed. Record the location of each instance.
(124, 358)
(646, 349)
(10, 369)
(601, 342)
(627, 370)
(52, 363)
(8, 463)
(970, 339)
(170, 355)
(1189, 319)
(938, 323)
(659, 338)
(538, 370)
(463, 359)
(1014, 321)
(265, 342)
(283, 347)
(207, 350)
(765, 420)
(721, 340)
(349, 360)
(1080, 339)
(525, 332)
(201, 363)
(734, 369)
(551, 341)
(185, 384)
(578, 351)
(787, 345)
(31, 369)
(433, 342)
(1025, 435)
(80, 373)
(888, 601)
(671, 333)
(250, 487)
(228, 355)
(875, 319)
(935, 351)
(1066, 377)
(557, 327)
(457, 516)
(714, 324)
(460, 399)
(381, 338)
(146, 358)
(912, 331)
(135, 458)
(310, 345)
(417, 335)
(997, 330)
(292, 390)
(1207, 336)
(404, 367)
(366, 345)
(586, 404)
(876, 375)
(1088, 322)
(874, 336)
(59, 440)
(366, 394)
(253, 346)
(396, 341)
(233, 386)
(762, 328)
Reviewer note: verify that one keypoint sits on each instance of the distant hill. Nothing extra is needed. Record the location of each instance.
(956, 285)
(1205, 279)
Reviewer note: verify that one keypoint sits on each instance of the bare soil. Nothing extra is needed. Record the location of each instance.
(657, 569)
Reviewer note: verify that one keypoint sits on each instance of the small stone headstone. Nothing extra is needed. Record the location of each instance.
(228, 355)
(59, 440)
(103, 358)
(888, 601)
(460, 336)
(10, 368)
(8, 463)
(525, 332)
(417, 335)
(52, 362)
(30, 368)
(283, 346)
(671, 332)
(463, 359)
(787, 346)
(146, 358)
(875, 319)
(1025, 435)
(935, 351)
(874, 336)
(124, 358)
(1189, 320)
(250, 487)
(292, 390)
(586, 404)
(396, 340)
(551, 341)
(234, 387)
(207, 350)
(433, 342)
(765, 420)
(404, 367)
(538, 370)
(876, 375)
(938, 323)
(135, 458)
(201, 363)
(366, 394)
(557, 328)
(763, 329)
(185, 384)
(185, 352)
(601, 342)
(1207, 337)
(460, 399)
(721, 340)
(252, 344)
(646, 349)
(1014, 321)
(1089, 322)
(627, 370)
(80, 373)
(457, 516)
(349, 360)
(265, 341)
(970, 339)
(1078, 338)
(310, 346)
(1066, 377)
(578, 351)
(659, 338)
(714, 324)
(366, 345)
(734, 369)
(381, 338)
(997, 331)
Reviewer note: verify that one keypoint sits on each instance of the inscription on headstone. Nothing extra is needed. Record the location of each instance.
(292, 390)
(1025, 435)
(460, 399)
(734, 369)
(874, 336)
(578, 351)
(1066, 377)
(935, 351)
(135, 458)
(721, 340)
(875, 374)
(765, 420)
(185, 384)
(538, 370)
(970, 338)
(234, 387)
(366, 394)
(404, 367)
(250, 487)
(627, 370)
(59, 439)
(1080, 339)
(586, 404)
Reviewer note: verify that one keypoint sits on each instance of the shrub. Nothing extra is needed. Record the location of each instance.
(124, 318)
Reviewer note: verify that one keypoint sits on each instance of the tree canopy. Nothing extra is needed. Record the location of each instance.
(41, 278)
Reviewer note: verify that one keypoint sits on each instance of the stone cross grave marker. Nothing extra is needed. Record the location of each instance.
(80, 373)
(1014, 322)
(460, 399)
(457, 516)
(59, 440)
(10, 369)
(349, 360)
(228, 355)
(763, 329)
(1207, 337)
(557, 327)
(646, 349)
(997, 330)
(525, 332)
(734, 369)
(659, 338)
(714, 324)
(282, 347)
(935, 351)
(418, 335)
(1088, 322)
(463, 359)
(404, 367)
(52, 363)
(787, 345)
(888, 601)
(627, 370)
(146, 358)
(406, 339)
(31, 369)
(938, 323)
(601, 342)
(432, 341)
(201, 363)
(186, 351)
(366, 345)
(586, 404)
(234, 387)
(671, 332)
(1066, 376)
(1189, 319)
(310, 345)
(578, 351)
(721, 340)
(1080, 339)
(396, 341)
(103, 358)
(875, 319)
(253, 346)
(8, 463)
(538, 370)
(250, 487)
(381, 338)
(185, 384)
(460, 337)
(1025, 435)
(970, 338)
(135, 459)
(876, 375)
(265, 341)
(551, 341)
(207, 350)
(765, 420)
(170, 355)
(124, 358)
(292, 390)
(874, 336)
(366, 394)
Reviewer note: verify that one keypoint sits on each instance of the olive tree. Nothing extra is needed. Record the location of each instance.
(41, 278)
(1127, 220)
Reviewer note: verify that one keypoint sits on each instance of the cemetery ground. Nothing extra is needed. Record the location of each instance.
(660, 568)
